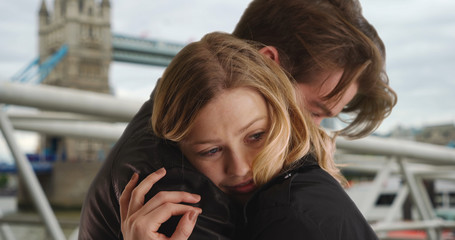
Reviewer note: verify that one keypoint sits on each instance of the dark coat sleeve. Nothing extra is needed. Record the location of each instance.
(100, 216)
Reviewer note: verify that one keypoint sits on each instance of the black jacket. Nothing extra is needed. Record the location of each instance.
(305, 203)
(140, 151)
(309, 204)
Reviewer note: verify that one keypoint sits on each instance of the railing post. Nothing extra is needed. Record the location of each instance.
(376, 187)
(397, 203)
(31, 181)
(418, 194)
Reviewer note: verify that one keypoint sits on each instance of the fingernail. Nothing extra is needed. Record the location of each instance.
(196, 196)
(134, 177)
(193, 216)
(161, 171)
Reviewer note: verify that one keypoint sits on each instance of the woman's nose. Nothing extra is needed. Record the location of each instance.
(238, 164)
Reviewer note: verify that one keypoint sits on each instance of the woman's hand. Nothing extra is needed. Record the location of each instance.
(142, 221)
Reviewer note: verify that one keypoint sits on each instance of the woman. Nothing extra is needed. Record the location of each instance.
(234, 115)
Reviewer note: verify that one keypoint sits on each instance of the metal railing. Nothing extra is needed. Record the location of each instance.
(95, 115)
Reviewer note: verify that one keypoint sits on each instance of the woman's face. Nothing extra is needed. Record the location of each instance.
(226, 136)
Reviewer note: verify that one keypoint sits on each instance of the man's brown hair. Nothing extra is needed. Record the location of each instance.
(312, 36)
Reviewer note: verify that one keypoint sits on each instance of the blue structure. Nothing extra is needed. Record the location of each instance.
(39, 164)
(124, 49)
(41, 70)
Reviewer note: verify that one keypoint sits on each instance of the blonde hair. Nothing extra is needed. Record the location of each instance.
(219, 62)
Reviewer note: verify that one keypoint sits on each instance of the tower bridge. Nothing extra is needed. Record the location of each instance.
(76, 48)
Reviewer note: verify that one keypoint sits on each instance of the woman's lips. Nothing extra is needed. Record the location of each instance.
(242, 188)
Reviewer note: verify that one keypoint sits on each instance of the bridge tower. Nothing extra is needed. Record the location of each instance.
(83, 27)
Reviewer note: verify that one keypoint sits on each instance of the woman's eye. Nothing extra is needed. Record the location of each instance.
(256, 137)
(211, 152)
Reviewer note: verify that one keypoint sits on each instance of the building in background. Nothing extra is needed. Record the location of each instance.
(443, 134)
(81, 31)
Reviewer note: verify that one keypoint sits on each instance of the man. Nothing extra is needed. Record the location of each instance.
(327, 46)
(323, 44)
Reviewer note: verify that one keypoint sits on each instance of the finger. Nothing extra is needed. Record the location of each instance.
(125, 197)
(170, 197)
(185, 226)
(166, 211)
(138, 194)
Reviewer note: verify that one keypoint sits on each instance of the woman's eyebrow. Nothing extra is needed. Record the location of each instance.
(202, 142)
(259, 118)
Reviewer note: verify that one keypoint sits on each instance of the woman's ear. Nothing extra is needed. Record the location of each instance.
(271, 52)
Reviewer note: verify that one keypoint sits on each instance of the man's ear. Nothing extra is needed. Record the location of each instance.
(271, 52)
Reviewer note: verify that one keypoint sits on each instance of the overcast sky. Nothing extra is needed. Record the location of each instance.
(419, 36)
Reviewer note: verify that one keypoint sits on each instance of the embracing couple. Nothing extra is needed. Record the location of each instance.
(229, 144)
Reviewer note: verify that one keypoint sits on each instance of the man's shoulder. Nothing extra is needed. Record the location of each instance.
(318, 192)
(312, 201)
(308, 190)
